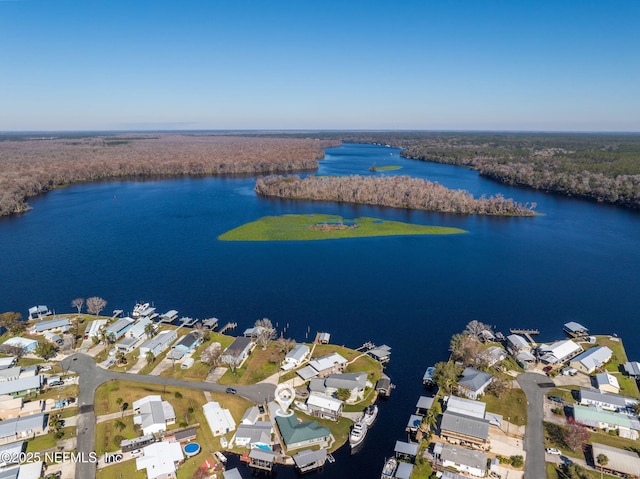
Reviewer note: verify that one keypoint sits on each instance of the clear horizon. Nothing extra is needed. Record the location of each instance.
(486, 66)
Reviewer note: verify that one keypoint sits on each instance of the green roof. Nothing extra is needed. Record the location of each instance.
(293, 431)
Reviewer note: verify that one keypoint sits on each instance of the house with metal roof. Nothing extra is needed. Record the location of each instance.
(612, 402)
(473, 383)
(592, 359)
(329, 386)
(159, 343)
(632, 368)
(494, 355)
(620, 461)
(324, 407)
(23, 386)
(137, 330)
(461, 459)
(296, 356)
(330, 364)
(118, 329)
(93, 328)
(250, 416)
(219, 419)
(466, 407)
(27, 345)
(381, 353)
(184, 345)
(254, 435)
(153, 414)
(517, 343)
(607, 383)
(57, 324)
(457, 428)
(559, 352)
(575, 330)
(238, 351)
(39, 311)
(8, 362)
(625, 425)
(262, 459)
(297, 434)
(10, 374)
(308, 460)
(160, 459)
(23, 427)
(10, 453)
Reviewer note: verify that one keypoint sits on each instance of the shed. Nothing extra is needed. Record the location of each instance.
(404, 470)
(575, 330)
(187, 363)
(405, 450)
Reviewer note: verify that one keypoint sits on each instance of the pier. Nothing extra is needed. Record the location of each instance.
(228, 326)
(527, 333)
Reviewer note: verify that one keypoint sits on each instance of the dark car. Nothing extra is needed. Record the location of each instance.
(546, 369)
(556, 399)
(231, 391)
(56, 383)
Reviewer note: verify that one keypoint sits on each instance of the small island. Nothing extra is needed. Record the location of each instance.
(323, 227)
(384, 168)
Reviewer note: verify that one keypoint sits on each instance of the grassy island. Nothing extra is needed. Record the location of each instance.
(322, 227)
(385, 168)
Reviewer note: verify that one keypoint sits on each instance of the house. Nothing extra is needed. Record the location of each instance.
(118, 329)
(296, 356)
(57, 324)
(238, 352)
(592, 359)
(473, 383)
(330, 364)
(457, 428)
(153, 414)
(559, 352)
(10, 374)
(461, 459)
(23, 386)
(262, 459)
(23, 427)
(183, 435)
(38, 312)
(607, 383)
(251, 416)
(160, 459)
(612, 402)
(466, 407)
(494, 355)
(10, 453)
(11, 407)
(184, 345)
(26, 345)
(296, 434)
(93, 328)
(187, 363)
(9, 362)
(516, 344)
(575, 330)
(138, 329)
(624, 425)
(423, 405)
(633, 369)
(219, 419)
(158, 343)
(128, 445)
(355, 383)
(324, 407)
(309, 460)
(254, 435)
(126, 345)
(27, 470)
(621, 462)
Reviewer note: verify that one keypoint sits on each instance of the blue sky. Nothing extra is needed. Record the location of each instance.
(233, 64)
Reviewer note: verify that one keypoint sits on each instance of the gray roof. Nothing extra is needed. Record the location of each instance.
(188, 341)
(349, 381)
(262, 455)
(425, 402)
(160, 339)
(519, 341)
(22, 384)
(238, 346)
(317, 385)
(307, 457)
(620, 460)
(469, 426)
(232, 474)
(594, 357)
(51, 324)
(185, 434)
(404, 470)
(251, 415)
(574, 327)
(474, 380)
(117, 327)
(406, 448)
(306, 373)
(258, 432)
(10, 453)
(466, 457)
(605, 398)
(466, 407)
(298, 352)
(12, 427)
(446, 474)
(632, 368)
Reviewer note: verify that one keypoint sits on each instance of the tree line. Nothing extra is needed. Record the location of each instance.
(392, 191)
(29, 166)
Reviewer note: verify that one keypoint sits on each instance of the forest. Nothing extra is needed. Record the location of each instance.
(392, 191)
(30, 166)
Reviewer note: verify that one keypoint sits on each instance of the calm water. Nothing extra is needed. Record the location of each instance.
(157, 241)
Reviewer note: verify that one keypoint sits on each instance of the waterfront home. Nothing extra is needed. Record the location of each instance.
(184, 345)
(559, 352)
(160, 459)
(607, 383)
(254, 435)
(137, 329)
(473, 383)
(575, 330)
(461, 459)
(330, 364)
(153, 414)
(93, 328)
(466, 407)
(118, 329)
(309, 460)
(8, 362)
(38, 312)
(324, 407)
(57, 324)
(423, 405)
(592, 359)
(405, 451)
(295, 357)
(219, 419)
(238, 352)
(23, 386)
(493, 355)
(296, 434)
(620, 461)
(384, 386)
(25, 344)
(612, 402)
(516, 344)
(625, 425)
(329, 386)
(168, 317)
(262, 459)
(381, 353)
(458, 428)
(23, 427)
(633, 369)
(158, 343)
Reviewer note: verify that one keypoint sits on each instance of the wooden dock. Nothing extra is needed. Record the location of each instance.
(527, 333)
(228, 326)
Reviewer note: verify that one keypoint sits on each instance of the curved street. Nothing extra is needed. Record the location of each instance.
(91, 376)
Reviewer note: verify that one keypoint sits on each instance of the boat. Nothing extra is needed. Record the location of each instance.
(389, 468)
(358, 432)
(138, 309)
(427, 379)
(370, 414)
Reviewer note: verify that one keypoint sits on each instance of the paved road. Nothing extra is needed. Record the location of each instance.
(92, 376)
(535, 386)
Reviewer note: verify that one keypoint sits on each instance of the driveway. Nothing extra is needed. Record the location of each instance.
(91, 376)
(535, 386)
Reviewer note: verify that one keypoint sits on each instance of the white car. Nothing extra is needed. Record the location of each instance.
(136, 453)
(552, 450)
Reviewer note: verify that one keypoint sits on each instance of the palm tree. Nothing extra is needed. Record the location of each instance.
(150, 357)
(150, 330)
(602, 461)
(119, 425)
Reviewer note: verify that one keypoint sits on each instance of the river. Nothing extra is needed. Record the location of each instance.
(157, 241)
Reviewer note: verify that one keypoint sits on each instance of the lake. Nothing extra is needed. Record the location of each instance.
(157, 241)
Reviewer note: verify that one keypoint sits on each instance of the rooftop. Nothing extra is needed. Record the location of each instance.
(293, 431)
(620, 460)
(466, 425)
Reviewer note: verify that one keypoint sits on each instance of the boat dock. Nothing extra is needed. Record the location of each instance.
(185, 321)
(168, 317)
(228, 326)
(210, 323)
(527, 333)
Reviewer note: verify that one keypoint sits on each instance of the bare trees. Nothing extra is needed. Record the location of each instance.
(576, 436)
(78, 303)
(211, 355)
(264, 332)
(95, 304)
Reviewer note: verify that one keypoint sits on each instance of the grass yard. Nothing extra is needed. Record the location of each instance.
(323, 227)
(340, 429)
(564, 392)
(512, 404)
(106, 432)
(119, 470)
(59, 392)
(628, 386)
(47, 441)
(553, 472)
(259, 365)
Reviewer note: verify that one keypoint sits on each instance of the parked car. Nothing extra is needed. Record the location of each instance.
(136, 452)
(552, 450)
(569, 371)
(546, 369)
(45, 368)
(56, 383)
(231, 391)
(556, 399)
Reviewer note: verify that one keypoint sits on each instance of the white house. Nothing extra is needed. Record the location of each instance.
(254, 435)
(219, 419)
(517, 343)
(27, 345)
(494, 355)
(57, 324)
(461, 459)
(160, 459)
(329, 364)
(559, 352)
(158, 343)
(153, 414)
(607, 383)
(324, 407)
(296, 356)
(93, 328)
(592, 359)
(118, 329)
(238, 351)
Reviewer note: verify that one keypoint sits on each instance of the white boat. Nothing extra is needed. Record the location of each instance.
(358, 432)
(389, 468)
(370, 414)
(138, 309)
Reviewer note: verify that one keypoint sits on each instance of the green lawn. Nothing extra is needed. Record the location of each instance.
(628, 386)
(47, 441)
(259, 365)
(119, 470)
(323, 227)
(105, 432)
(512, 404)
